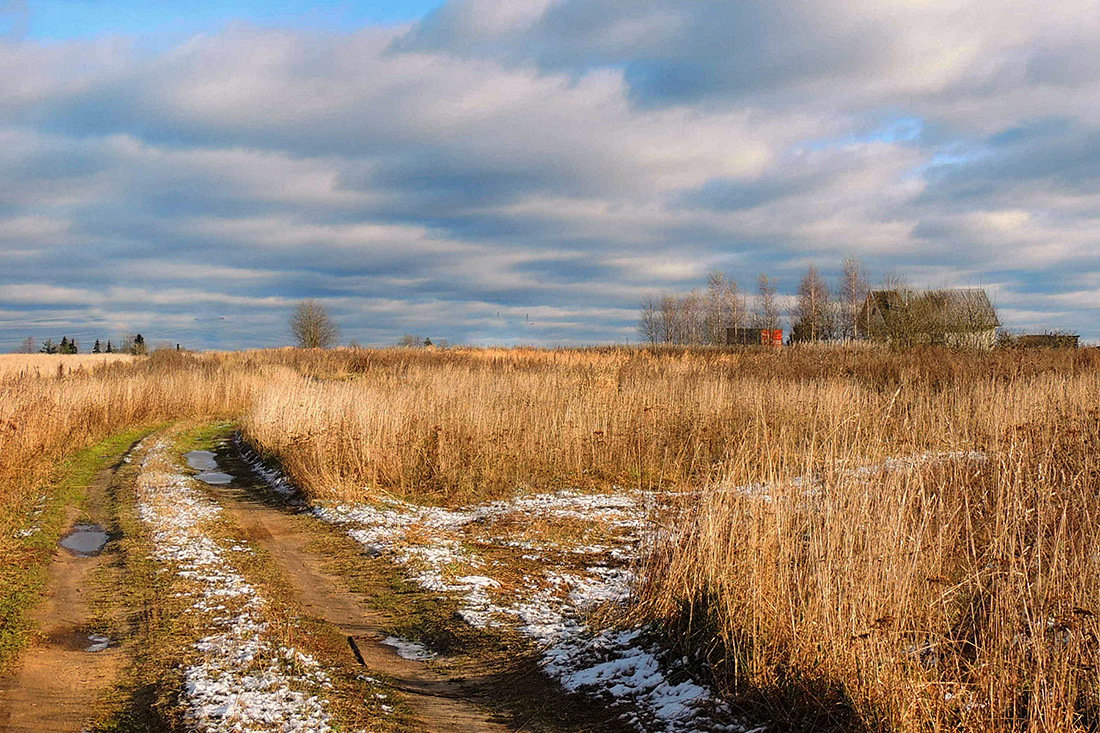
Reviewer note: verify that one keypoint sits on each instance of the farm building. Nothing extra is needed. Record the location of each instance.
(739, 336)
(959, 317)
(1041, 341)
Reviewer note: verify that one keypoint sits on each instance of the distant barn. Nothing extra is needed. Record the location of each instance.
(960, 317)
(740, 336)
(1042, 341)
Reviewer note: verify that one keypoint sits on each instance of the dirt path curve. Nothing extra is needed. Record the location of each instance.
(441, 705)
(60, 682)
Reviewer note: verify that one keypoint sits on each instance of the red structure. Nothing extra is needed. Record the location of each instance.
(754, 337)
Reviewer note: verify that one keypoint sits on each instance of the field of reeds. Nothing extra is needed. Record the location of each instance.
(48, 365)
(854, 539)
(868, 539)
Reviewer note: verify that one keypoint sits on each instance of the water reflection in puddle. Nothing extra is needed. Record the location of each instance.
(97, 643)
(201, 460)
(205, 462)
(85, 540)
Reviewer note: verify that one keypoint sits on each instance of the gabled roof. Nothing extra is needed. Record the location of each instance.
(961, 309)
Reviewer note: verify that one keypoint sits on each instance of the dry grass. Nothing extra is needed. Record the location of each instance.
(939, 595)
(948, 594)
(51, 365)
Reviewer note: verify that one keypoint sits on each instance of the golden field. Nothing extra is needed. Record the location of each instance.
(48, 365)
(855, 538)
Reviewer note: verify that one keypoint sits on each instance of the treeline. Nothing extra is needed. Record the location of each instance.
(135, 345)
(818, 313)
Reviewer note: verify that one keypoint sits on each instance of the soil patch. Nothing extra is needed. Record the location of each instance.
(67, 672)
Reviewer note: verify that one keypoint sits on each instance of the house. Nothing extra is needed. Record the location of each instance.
(958, 317)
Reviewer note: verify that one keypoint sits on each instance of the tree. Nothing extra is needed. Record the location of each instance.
(723, 308)
(853, 293)
(48, 347)
(767, 305)
(96, 348)
(649, 325)
(28, 346)
(813, 319)
(138, 348)
(110, 349)
(311, 326)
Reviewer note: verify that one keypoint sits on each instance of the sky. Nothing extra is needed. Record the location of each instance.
(528, 171)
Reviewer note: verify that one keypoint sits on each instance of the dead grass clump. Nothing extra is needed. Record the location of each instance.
(949, 592)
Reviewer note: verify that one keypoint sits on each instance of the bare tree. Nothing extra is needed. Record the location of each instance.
(813, 316)
(689, 319)
(649, 326)
(28, 346)
(723, 308)
(853, 293)
(311, 326)
(767, 304)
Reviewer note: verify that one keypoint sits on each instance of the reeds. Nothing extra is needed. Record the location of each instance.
(863, 539)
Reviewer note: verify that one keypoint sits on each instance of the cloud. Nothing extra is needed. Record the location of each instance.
(527, 171)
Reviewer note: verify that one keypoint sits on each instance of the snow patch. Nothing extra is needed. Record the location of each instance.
(241, 680)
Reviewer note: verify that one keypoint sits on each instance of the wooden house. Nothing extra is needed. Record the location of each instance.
(957, 317)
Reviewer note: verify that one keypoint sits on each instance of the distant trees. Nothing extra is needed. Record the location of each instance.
(96, 348)
(853, 293)
(65, 347)
(311, 326)
(702, 317)
(695, 318)
(767, 304)
(28, 346)
(813, 315)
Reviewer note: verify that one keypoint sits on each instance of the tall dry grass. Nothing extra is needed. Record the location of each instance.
(52, 365)
(948, 594)
(953, 591)
(45, 417)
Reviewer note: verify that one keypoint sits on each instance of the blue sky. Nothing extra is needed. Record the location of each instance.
(527, 171)
(53, 20)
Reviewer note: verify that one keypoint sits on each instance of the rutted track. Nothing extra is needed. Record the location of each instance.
(61, 678)
(440, 704)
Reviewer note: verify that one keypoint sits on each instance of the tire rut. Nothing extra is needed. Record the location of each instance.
(57, 686)
(440, 704)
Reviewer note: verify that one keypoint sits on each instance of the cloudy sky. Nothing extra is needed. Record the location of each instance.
(526, 171)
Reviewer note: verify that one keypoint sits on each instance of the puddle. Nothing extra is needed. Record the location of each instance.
(201, 460)
(97, 643)
(206, 462)
(215, 478)
(409, 649)
(85, 540)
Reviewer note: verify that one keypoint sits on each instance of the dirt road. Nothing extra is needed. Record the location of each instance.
(60, 681)
(439, 704)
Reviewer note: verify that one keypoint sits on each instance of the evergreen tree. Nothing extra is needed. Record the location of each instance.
(110, 349)
(96, 349)
(48, 347)
(139, 345)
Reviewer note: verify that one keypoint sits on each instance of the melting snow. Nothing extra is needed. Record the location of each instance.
(242, 680)
(409, 649)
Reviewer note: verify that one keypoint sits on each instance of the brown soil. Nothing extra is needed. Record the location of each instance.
(440, 704)
(59, 684)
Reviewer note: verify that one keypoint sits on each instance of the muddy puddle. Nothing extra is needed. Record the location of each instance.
(85, 540)
(206, 463)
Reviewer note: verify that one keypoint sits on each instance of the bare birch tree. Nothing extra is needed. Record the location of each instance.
(767, 304)
(649, 326)
(724, 308)
(813, 316)
(853, 293)
(311, 326)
